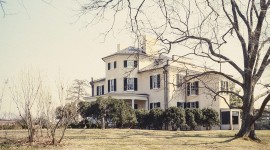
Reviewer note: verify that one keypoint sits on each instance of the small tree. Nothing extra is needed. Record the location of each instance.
(156, 117)
(175, 117)
(210, 118)
(190, 119)
(142, 116)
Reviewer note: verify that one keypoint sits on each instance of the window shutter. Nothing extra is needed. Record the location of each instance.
(97, 90)
(114, 80)
(109, 66)
(197, 87)
(188, 88)
(185, 105)
(177, 80)
(158, 104)
(151, 105)
(178, 104)
(109, 90)
(158, 81)
(151, 83)
(125, 63)
(125, 84)
(102, 90)
(135, 63)
(135, 84)
(188, 105)
(197, 104)
(114, 64)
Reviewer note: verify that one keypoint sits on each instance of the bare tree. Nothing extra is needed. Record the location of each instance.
(2, 92)
(211, 30)
(26, 92)
(77, 91)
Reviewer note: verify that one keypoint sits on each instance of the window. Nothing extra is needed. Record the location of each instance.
(114, 64)
(155, 81)
(225, 117)
(130, 84)
(224, 86)
(181, 104)
(235, 116)
(188, 104)
(130, 63)
(179, 80)
(193, 88)
(109, 66)
(100, 90)
(154, 105)
(112, 85)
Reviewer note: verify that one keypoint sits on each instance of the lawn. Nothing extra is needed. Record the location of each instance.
(130, 139)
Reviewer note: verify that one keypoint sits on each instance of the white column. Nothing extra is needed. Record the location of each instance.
(146, 105)
(132, 103)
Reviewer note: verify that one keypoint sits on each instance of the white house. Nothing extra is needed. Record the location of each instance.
(148, 81)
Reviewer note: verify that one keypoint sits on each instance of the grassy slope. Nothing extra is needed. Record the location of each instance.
(113, 139)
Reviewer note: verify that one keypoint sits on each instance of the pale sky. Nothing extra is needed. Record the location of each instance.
(52, 39)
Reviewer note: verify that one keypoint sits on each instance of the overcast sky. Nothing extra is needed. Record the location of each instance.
(52, 39)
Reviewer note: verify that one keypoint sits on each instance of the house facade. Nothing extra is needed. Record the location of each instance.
(148, 81)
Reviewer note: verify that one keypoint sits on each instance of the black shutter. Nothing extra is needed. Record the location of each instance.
(188, 105)
(197, 87)
(197, 104)
(185, 105)
(125, 63)
(114, 84)
(135, 63)
(151, 85)
(188, 88)
(114, 64)
(178, 104)
(109, 66)
(158, 81)
(125, 84)
(158, 104)
(135, 84)
(151, 105)
(109, 90)
(97, 90)
(102, 90)
(177, 81)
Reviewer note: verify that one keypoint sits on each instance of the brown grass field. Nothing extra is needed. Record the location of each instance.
(130, 139)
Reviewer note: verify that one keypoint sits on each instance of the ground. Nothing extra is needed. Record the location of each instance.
(130, 139)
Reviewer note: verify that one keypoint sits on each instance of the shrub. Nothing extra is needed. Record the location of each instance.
(210, 118)
(190, 119)
(142, 116)
(175, 117)
(156, 117)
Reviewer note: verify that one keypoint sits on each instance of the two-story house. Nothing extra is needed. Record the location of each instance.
(146, 81)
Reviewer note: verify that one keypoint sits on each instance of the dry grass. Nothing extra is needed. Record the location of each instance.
(114, 139)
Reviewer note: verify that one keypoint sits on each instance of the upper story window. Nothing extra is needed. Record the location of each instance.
(130, 84)
(100, 90)
(193, 88)
(111, 65)
(130, 63)
(179, 80)
(188, 104)
(224, 86)
(155, 81)
(112, 85)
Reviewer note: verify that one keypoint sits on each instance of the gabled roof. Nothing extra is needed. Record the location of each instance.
(128, 51)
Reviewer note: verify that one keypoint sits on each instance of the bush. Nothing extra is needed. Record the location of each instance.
(156, 117)
(190, 119)
(175, 117)
(210, 118)
(142, 116)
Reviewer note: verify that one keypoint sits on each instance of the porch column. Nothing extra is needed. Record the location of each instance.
(132, 103)
(231, 121)
(146, 105)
